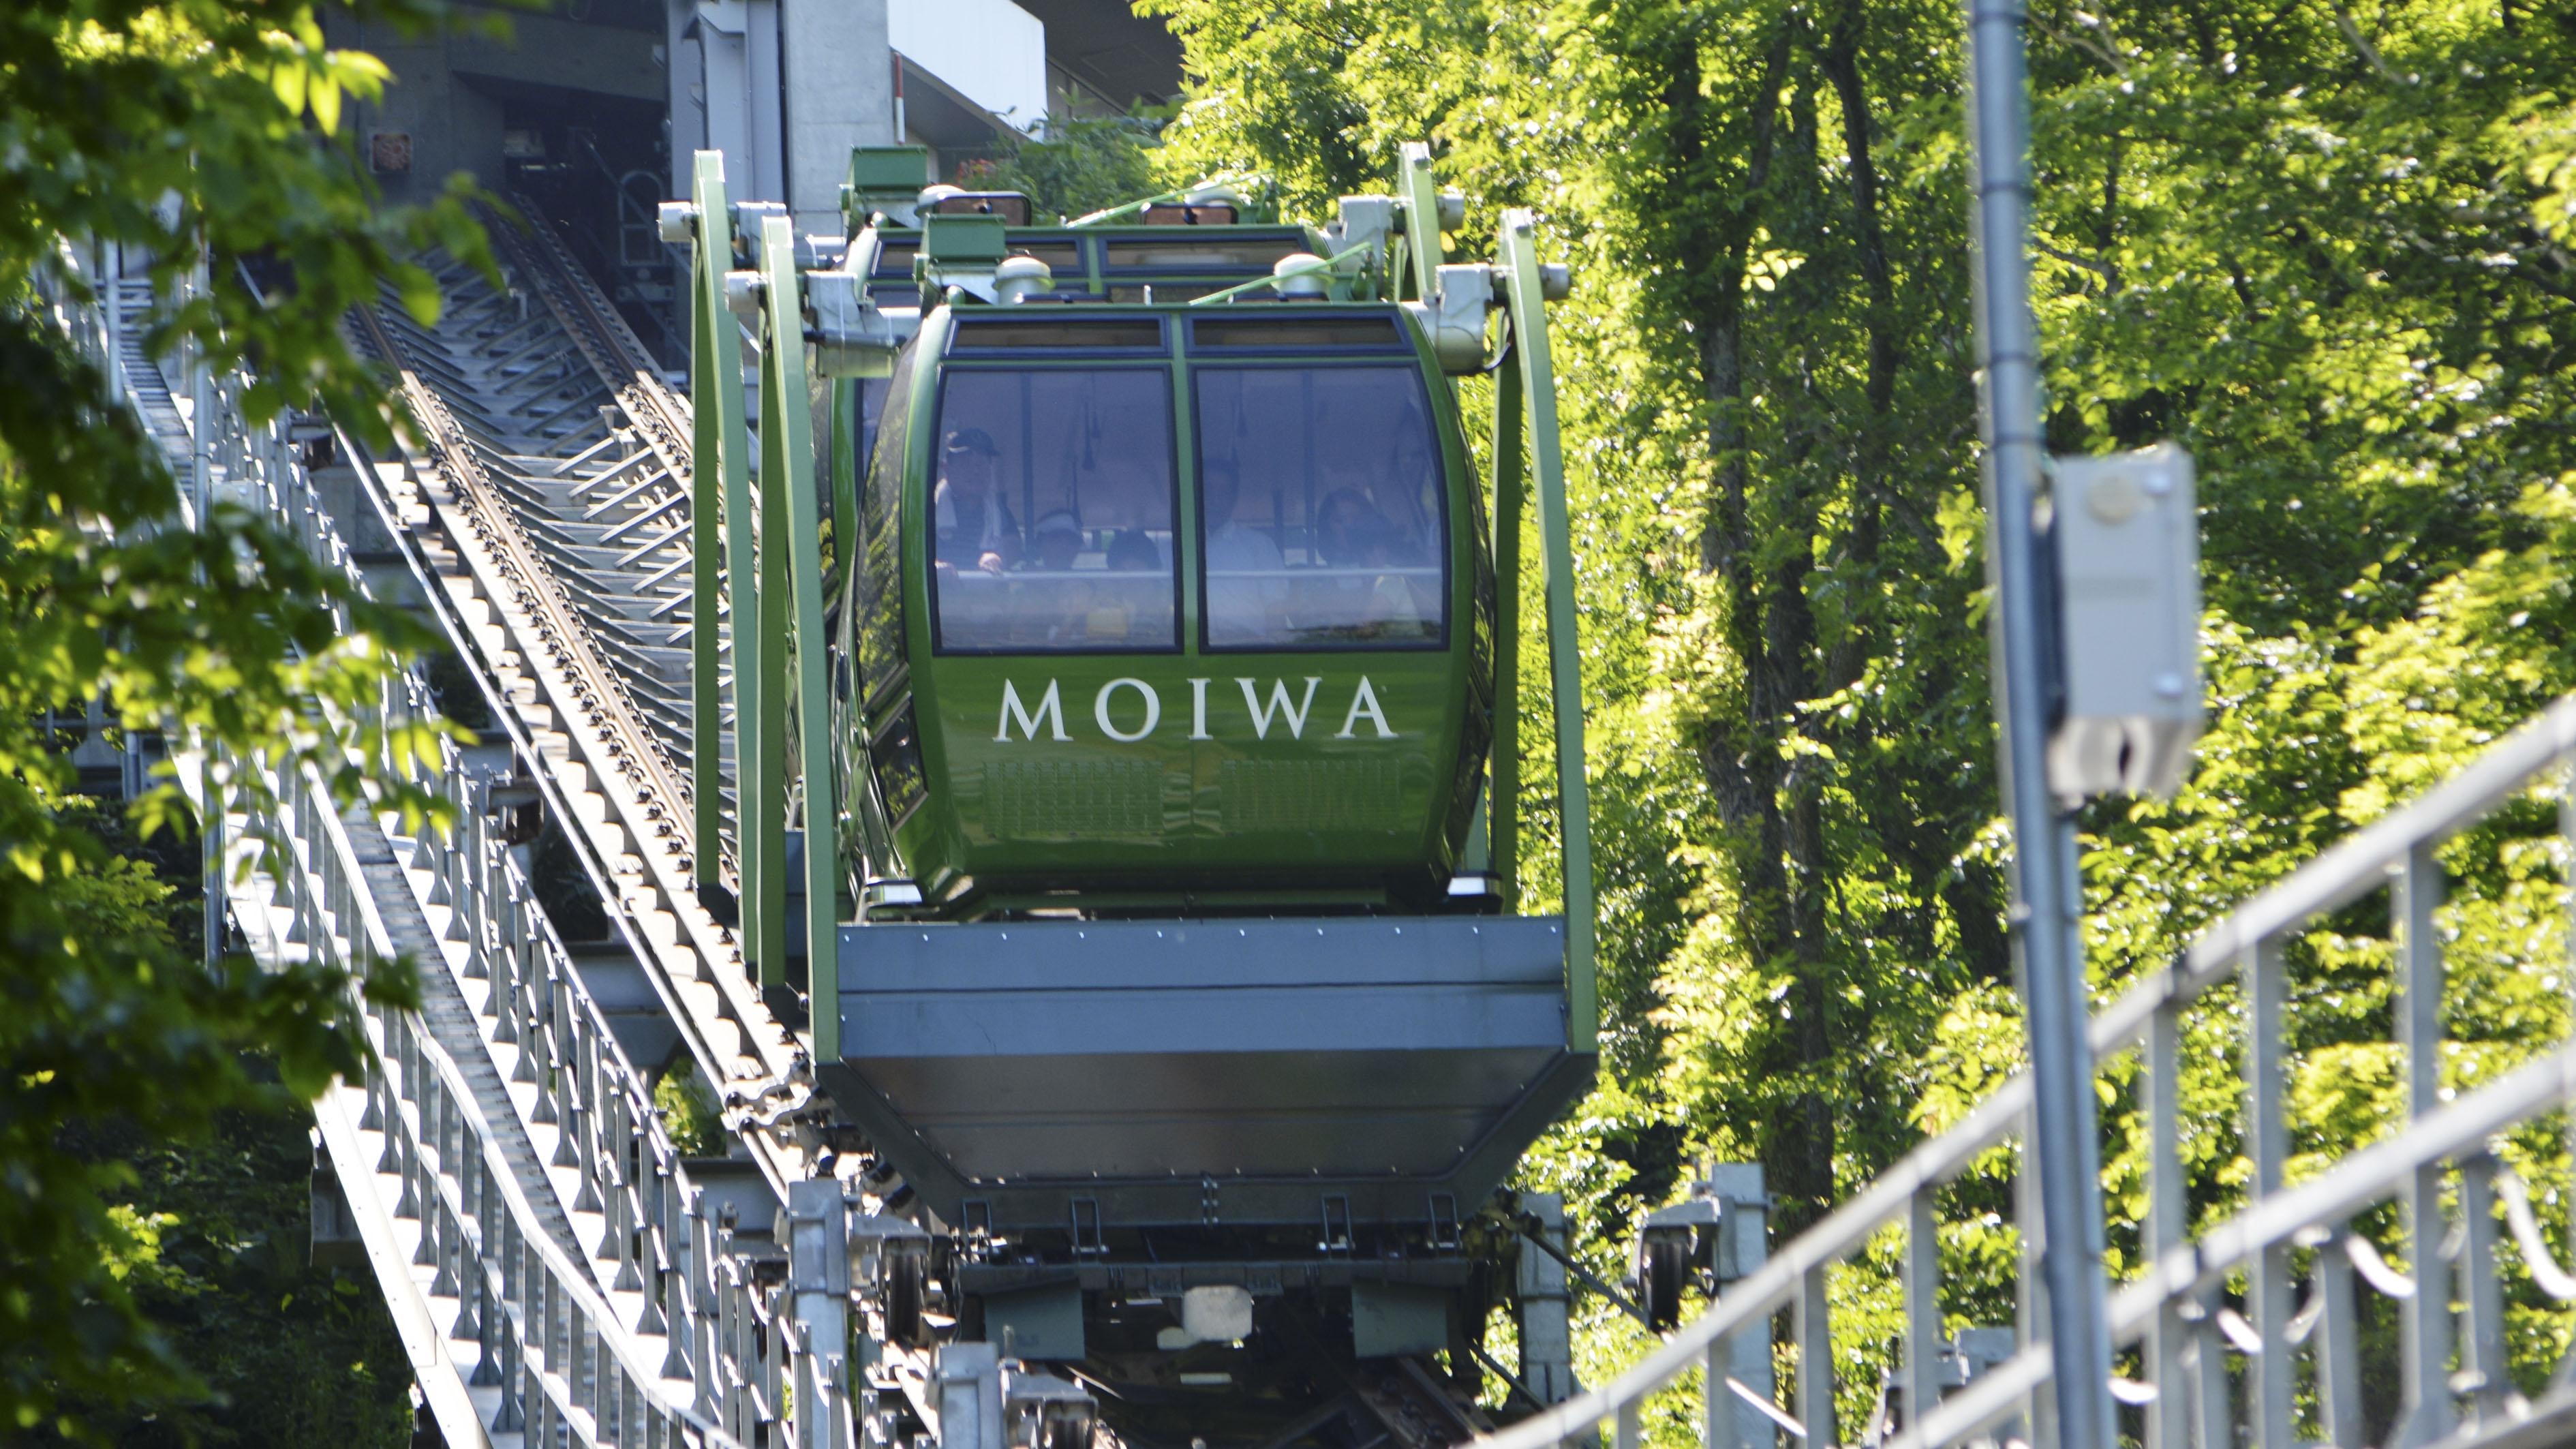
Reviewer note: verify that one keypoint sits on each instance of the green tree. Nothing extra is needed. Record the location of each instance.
(1074, 165)
(183, 130)
(213, 1232)
(2325, 248)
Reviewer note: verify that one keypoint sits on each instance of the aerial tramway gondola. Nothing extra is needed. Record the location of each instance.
(1169, 605)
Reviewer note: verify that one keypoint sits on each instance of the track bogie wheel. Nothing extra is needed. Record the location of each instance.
(907, 1287)
(1665, 1269)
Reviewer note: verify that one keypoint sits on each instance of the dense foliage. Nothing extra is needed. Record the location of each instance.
(183, 130)
(2324, 247)
(212, 1239)
(1074, 165)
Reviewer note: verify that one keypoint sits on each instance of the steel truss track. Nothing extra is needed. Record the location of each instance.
(559, 1273)
(551, 469)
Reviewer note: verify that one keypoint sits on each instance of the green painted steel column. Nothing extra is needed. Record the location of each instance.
(715, 355)
(751, 824)
(1565, 664)
(1420, 193)
(760, 648)
(788, 488)
(1511, 491)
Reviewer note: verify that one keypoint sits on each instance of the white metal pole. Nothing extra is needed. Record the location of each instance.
(2048, 889)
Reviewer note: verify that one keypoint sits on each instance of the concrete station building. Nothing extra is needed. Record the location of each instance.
(591, 109)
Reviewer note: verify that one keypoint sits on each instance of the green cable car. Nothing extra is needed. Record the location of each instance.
(1136, 685)
(1161, 606)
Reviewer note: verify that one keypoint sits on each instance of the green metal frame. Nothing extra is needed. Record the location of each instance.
(720, 450)
(1528, 478)
(773, 598)
(1529, 380)
(791, 509)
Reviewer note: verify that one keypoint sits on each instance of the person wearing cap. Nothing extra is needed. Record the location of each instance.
(972, 523)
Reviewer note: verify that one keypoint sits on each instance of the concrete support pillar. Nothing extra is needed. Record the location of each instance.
(684, 73)
(969, 1378)
(1547, 1330)
(737, 93)
(839, 79)
(784, 88)
(1743, 1246)
(818, 1259)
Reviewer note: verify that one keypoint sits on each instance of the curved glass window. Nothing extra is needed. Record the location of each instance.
(879, 627)
(1051, 504)
(1322, 518)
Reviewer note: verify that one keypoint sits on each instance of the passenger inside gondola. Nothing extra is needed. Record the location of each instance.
(1322, 501)
(1247, 583)
(1360, 590)
(1085, 458)
(973, 521)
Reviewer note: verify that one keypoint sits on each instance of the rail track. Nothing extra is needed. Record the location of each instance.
(546, 490)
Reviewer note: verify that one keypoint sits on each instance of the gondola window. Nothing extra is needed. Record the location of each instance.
(1321, 509)
(1051, 505)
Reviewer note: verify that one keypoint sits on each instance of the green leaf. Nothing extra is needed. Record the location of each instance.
(288, 77)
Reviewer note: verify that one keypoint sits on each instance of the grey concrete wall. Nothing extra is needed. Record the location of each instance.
(452, 126)
(547, 51)
(783, 87)
(687, 119)
(839, 92)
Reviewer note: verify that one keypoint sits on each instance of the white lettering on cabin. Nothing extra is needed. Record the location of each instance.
(1100, 710)
(1278, 709)
(1364, 706)
(1050, 710)
(1278, 705)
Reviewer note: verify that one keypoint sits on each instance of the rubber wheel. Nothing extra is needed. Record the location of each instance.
(907, 1284)
(1667, 1265)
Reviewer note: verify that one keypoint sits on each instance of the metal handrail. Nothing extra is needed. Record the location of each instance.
(582, 1049)
(2171, 1305)
(437, 1086)
(582, 1363)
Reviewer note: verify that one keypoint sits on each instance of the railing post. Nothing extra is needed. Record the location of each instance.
(1815, 1330)
(2425, 1327)
(2338, 1345)
(213, 783)
(2030, 1298)
(201, 406)
(536, 1411)
(1922, 1307)
(2211, 1400)
(112, 300)
(2266, 987)
(703, 1307)
(2167, 1221)
(678, 1307)
(2484, 1353)
(508, 1417)
(2567, 972)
